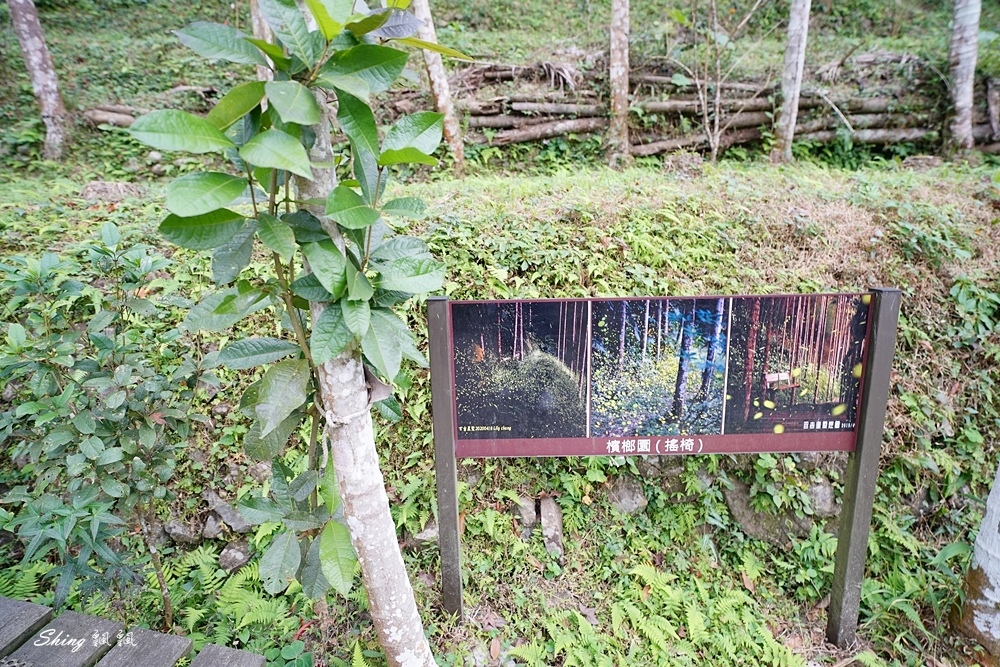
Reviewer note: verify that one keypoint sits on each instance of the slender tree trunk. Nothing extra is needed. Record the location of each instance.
(962, 59)
(439, 85)
(621, 338)
(751, 351)
(683, 367)
(645, 333)
(343, 392)
(618, 142)
(37, 59)
(262, 31)
(979, 617)
(713, 348)
(791, 81)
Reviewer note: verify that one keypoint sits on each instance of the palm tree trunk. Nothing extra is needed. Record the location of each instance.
(618, 150)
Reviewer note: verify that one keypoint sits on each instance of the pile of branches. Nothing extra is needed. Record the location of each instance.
(667, 117)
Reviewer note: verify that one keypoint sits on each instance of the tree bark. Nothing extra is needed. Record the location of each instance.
(962, 54)
(262, 31)
(979, 617)
(618, 143)
(37, 59)
(683, 367)
(713, 348)
(791, 81)
(343, 392)
(439, 85)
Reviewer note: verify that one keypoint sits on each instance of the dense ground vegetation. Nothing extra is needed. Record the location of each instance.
(677, 583)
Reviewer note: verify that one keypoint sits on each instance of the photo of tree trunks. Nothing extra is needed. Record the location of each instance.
(658, 366)
(521, 369)
(795, 363)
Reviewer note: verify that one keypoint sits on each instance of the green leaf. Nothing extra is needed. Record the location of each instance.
(288, 25)
(328, 263)
(369, 23)
(299, 520)
(421, 131)
(358, 287)
(357, 315)
(91, 447)
(306, 227)
(113, 487)
(110, 455)
(350, 84)
(408, 274)
(198, 193)
(330, 492)
(405, 156)
(265, 448)
(357, 121)
(173, 130)
(405, 207)
(398, 4)
(366, 171)
(220, 310)
(314, 584)
(277, 150)
(381, 345)
(336, 555)
(282, 390)
(300, 487)
(230, 258)
(330, 334)
(309, 288)
(219, 42)
(330, 15)
(294, 102)
(235, 104)
(258, 510)
(378, 66)
(349, 210)
(437, 48)
(280, 562)
(274, 52)
(403, 335)
(251, 352)
(276, 235)
(202, 232)
(399, 25)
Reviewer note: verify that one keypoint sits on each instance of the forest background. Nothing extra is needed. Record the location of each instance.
(683, 580)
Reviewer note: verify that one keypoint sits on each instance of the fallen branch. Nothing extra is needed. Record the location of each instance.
(560, 109)
(549, 130)
(874, 136)
(101, 117)
(504, 120)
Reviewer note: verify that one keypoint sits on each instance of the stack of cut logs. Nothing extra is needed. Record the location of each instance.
(745, 111)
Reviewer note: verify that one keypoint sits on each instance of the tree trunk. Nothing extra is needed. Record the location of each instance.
(618, 143)
(262, 31)
(683, 367)
(979, 617)
(621, 338)
(962, 60)
(713, 348)
(344, 394)
(37, 59)
(791, 81)
(439, 85)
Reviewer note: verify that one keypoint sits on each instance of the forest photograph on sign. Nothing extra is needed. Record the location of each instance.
(656, 375)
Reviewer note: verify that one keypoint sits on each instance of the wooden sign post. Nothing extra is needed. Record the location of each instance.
(787, 373)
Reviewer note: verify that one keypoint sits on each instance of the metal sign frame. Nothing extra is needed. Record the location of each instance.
(859, 486)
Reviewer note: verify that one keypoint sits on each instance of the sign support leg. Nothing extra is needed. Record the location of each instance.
(862, 471)
(445, 464)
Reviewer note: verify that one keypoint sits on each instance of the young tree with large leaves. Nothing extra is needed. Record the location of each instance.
(339, 269)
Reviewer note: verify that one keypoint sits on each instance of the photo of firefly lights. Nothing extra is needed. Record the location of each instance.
(795, 363)
(521, 369)
(658, 366)
(577, 369)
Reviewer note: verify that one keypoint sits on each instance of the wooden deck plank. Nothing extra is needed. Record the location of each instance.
(220, 656)
(146, 648)
(18, 621)
(69, 641)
